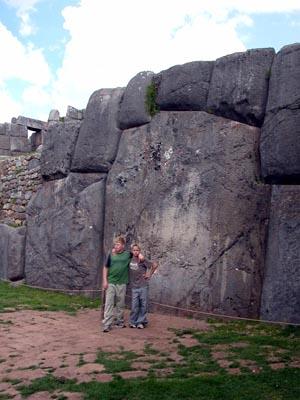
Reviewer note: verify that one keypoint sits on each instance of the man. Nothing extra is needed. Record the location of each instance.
(115, 279)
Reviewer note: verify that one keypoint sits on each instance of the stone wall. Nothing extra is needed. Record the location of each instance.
(20, 178)
(193, 184)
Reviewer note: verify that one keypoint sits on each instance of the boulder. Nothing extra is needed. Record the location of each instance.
(279, 144)
(280, 147)
(64, 233)
(58, 149)
(186, 187)
(284, 90)
(184, 87)
(281, 287)
(12, 248)
(99, 134)
(239, 86)
(133, 110)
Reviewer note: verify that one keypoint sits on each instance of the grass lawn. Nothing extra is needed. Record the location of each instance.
(23, 297)
(233, 360)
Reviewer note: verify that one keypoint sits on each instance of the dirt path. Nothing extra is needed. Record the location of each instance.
(33, 343)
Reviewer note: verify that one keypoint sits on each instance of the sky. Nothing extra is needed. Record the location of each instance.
(56, 53)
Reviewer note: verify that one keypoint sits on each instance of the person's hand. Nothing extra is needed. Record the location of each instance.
(141, 257)
(147, 275)
(104, 285)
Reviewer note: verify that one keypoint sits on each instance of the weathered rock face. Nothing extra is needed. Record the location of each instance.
(99, 134)
(284, 91)
(239, 86)
(281, 289)
(186, 187)
(12, 245)
(280, 145)
(58, 148)
(184, 87)
(132, 109)
(64, 233)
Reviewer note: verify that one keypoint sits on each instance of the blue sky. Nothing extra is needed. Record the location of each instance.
(55, 53)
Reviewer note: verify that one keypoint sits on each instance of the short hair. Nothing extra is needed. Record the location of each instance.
(120, 239)
(135, 245)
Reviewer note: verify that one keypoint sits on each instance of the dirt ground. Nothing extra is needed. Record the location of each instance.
(34, 343)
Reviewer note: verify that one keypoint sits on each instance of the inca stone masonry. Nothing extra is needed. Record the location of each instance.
(209, 186)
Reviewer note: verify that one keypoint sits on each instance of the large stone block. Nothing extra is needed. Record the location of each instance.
(31, 123)
(133, 105)
(64, 233)
(99, 134)
(280, 147)
(239, 86)
(17, 130)
(58, 149)
(3, 129)
(281, 287)
(284, 90)
(4, 142)
(184, 87)
(74, 113)
(12, 250)
(19, 144)
(186, 186)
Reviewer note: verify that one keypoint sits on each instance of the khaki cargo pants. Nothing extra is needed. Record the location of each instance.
(114, 305)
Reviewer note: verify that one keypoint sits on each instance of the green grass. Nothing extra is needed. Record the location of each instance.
(150, 101)
(23, 297)
(115, 362)
(261, 342)
(4, 396)
(275, 385)
(248, 346)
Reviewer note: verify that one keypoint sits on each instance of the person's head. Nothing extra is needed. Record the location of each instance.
(135, 248)
(119, 244)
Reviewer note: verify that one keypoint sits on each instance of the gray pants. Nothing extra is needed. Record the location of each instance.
(139, 305)
(114, 305)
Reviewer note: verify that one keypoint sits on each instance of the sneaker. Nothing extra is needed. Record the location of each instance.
(132, 326)
(106, 329)
(140, 326)
(120, 325)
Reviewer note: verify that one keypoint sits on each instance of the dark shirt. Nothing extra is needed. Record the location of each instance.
(137, 270)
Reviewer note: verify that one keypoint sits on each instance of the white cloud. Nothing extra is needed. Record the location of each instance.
(111, 41)
(22, 62)
(24, 9)
(8, 107)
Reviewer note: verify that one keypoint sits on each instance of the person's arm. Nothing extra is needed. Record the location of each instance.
(154, 267)
(105, 272)
(104, 278)
(150, 271)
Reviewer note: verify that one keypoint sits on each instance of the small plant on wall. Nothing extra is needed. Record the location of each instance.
(151, 106)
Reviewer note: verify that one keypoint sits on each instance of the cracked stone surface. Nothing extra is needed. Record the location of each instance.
(199, 208)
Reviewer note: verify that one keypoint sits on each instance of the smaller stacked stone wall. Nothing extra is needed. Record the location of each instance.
(20, 178)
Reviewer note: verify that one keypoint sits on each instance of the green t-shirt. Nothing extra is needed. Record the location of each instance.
(118, 265)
